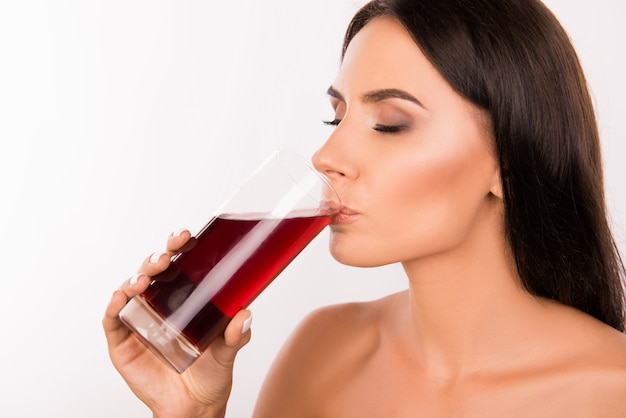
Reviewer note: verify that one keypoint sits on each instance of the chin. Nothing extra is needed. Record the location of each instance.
(356, 257)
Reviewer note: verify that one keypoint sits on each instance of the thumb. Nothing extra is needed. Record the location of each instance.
(238, 330)
(236, 335)
(209, 379)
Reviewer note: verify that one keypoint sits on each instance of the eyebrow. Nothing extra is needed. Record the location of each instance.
(379, 95)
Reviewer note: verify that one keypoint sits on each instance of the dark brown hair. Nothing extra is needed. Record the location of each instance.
(513, 59)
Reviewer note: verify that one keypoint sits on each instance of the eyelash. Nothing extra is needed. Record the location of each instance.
(386, 129)
(333, 122)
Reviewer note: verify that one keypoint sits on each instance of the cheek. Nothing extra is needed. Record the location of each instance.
(417, 202)
(434, 200)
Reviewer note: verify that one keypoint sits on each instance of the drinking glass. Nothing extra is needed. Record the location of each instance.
(232, 259)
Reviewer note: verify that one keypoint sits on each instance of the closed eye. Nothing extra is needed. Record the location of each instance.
(389, 129)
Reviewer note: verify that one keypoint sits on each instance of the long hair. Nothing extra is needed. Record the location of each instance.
(513, 59)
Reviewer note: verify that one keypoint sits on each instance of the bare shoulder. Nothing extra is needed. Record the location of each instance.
(597, 362)
(605, 390)
(599, 343)
(323, 353)
(607, 357)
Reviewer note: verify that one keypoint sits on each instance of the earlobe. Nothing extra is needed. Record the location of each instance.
(496, 186)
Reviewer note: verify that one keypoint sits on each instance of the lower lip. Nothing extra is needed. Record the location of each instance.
(344, 218)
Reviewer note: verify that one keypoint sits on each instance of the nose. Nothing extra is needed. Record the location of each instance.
(332, 159)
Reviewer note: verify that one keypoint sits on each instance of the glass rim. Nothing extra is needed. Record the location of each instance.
(286, 151)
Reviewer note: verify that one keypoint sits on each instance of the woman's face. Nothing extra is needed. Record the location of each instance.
(412, 161)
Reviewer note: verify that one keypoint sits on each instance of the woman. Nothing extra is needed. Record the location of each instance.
(465, 147)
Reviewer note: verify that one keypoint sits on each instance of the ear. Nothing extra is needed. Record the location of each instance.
(496, 185)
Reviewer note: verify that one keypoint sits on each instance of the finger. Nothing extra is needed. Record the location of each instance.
(236, 335)
(115, 331)
(177, 240)
(138, 283)
(238, 329)
(155, 264)
(159, 261)
(129, 289)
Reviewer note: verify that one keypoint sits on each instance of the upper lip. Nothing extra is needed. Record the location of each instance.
(345, 215)
(347, 211)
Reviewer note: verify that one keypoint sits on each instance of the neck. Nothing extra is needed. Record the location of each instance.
(467, 305)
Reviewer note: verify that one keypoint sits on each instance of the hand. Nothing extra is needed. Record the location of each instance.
(203, 389)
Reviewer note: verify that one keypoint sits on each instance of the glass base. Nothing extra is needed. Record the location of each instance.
(158, 335)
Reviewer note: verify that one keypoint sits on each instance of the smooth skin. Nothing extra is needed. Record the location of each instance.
(414, 164)
(203, 389)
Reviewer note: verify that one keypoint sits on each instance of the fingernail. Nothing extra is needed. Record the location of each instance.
(154, 258)
(133, 280)
(246, 324)
(177, 233)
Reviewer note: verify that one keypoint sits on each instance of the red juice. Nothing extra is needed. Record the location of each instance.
(224, 268)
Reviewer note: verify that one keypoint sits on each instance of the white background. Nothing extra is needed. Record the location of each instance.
(121, 121)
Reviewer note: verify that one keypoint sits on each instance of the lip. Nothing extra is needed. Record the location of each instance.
(345, 215)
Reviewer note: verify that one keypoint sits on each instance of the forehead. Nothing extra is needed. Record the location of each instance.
(384, 53)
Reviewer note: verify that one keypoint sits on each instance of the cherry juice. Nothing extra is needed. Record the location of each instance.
(224, 268)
